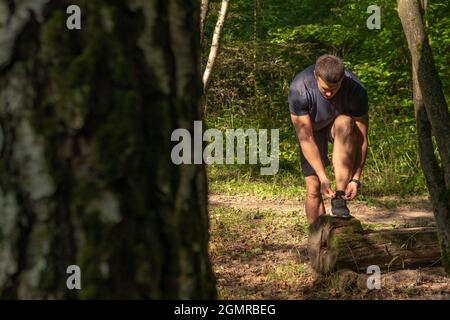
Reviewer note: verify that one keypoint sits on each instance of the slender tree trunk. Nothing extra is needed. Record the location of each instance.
(255, 31)
(215, 46)
(86, 177)
(423, 8)
(432, 119)
(255, 19)
(204, 8)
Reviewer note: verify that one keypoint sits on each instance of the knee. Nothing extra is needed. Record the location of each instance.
(312, 188)
(313, 193)
(344, 125)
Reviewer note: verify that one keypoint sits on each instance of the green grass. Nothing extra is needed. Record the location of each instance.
(291, 269)
(232, 180)
(391, 168)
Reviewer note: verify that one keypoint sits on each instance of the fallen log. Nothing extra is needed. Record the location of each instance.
(336, 243)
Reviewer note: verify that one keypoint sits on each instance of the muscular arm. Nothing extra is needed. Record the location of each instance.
(362, 125)
(303, 128)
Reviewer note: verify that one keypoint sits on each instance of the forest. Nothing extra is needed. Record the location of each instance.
(149, 150)
(264, 44)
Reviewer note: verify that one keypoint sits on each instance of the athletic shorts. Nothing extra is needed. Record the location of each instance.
(321, 137)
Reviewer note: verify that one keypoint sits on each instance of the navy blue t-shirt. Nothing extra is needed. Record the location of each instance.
(305, 97)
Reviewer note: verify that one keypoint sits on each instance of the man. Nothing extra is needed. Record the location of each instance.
(329, 103)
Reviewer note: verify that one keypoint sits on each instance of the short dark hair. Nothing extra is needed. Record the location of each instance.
(329, 68)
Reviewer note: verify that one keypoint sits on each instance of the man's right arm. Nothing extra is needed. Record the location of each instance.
(305, 137)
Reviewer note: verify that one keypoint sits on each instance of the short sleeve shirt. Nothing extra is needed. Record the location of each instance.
(305, 97)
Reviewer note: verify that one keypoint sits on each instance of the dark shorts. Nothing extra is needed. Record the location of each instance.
(321, 137)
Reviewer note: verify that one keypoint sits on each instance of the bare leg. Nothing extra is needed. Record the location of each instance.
(357, 142)
(314, 205)
(343, 150)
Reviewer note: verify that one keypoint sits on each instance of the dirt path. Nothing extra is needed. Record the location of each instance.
(258, 251)
(415, 211)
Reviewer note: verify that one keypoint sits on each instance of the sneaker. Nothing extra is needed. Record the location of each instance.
(339, 206)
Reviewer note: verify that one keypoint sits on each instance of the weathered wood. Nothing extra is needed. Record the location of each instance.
(336, 243)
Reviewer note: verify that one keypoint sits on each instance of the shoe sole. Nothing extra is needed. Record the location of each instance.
(343, 217)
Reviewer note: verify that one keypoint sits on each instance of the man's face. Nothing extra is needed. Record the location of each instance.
(328, 90)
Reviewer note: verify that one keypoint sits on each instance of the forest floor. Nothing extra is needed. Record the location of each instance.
(258, 250)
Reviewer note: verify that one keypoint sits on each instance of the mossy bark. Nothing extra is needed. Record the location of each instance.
(86, 177)
(433, 118)
(336, 244)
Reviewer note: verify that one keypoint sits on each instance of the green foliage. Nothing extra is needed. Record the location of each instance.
(251, 79)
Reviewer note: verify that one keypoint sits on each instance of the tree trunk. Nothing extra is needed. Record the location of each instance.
(432, 118)
(86, 177)
(423, 8)
(336, 244)
(215, 45)
(255, 36)
(204, 8)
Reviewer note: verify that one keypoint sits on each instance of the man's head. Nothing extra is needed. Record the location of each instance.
(329, 72)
